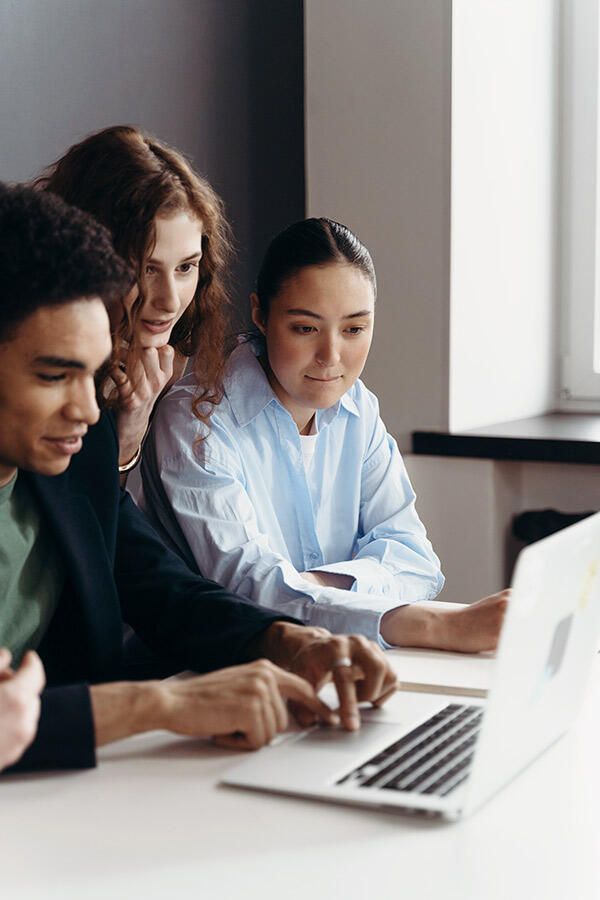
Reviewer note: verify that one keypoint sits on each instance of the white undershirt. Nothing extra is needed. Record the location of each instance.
(307, 442)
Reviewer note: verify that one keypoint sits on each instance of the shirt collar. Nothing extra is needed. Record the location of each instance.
(248, 390)
(246, 385)
(7, 490)
(349, 403)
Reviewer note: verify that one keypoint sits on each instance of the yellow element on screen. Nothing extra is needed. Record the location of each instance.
(588, 584)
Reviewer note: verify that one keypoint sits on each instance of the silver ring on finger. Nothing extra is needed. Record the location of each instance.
(343, 661)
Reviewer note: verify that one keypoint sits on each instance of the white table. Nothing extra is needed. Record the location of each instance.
(151, 822)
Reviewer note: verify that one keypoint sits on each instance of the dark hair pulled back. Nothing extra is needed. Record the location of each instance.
(311, 242)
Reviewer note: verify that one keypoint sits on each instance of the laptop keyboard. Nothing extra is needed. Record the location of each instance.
(433, 758)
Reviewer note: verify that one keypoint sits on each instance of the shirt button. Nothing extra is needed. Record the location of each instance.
(314, 555)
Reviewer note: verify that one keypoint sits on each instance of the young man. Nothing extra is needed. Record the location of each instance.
(80, 558)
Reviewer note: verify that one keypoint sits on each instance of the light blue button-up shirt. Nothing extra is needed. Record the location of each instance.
(251, 516)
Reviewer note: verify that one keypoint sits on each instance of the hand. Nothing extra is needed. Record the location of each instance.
(19, 704)
(329, 579)
(240, 707)
(467, 629)
(476, 627)
(138, 391)
(313, 652)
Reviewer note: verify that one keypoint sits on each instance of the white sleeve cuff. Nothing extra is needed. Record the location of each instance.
(348, 612)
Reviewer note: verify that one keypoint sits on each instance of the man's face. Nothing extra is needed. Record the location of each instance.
(47, 392)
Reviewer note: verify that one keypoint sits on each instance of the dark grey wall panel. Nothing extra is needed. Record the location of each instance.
(220, 79)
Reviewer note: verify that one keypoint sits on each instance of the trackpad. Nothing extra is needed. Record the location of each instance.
(371, 734)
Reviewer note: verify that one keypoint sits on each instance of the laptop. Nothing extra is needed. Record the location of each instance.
(445, 756)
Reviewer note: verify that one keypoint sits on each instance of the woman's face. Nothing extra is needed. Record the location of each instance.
(318, 335)
(169, 278)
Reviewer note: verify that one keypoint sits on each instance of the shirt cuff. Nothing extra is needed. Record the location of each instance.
(347, 612)
(380, 640)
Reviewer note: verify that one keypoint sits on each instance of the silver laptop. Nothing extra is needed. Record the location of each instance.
(444, 756)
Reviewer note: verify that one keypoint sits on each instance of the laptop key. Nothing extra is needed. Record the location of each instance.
(449, 781)
(417, 754)
(415, 750)
(424, 777)
(387, 761)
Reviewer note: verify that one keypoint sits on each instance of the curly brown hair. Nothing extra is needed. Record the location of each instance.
(126, 177)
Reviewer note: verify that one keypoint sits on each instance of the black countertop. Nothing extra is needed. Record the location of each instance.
(554, 437)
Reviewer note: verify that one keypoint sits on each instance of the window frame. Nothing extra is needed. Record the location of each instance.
(579, 206)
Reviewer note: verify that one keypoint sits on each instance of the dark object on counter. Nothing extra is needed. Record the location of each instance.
(536, 524)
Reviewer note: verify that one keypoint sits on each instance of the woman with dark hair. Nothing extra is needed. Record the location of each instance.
(298, 497)
(168, 223)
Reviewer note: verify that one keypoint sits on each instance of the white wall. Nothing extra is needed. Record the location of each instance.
(467, 506)
(378, 159)
(504, 169)
(580, 260)
(411, 105)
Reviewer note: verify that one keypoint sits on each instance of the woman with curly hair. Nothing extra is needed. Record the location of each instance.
(169, 224)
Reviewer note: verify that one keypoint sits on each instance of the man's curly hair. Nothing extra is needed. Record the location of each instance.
(50, 254)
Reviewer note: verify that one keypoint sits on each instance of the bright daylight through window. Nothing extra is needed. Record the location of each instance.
(579, 205)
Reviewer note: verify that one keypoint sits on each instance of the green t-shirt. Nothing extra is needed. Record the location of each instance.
(31, 570)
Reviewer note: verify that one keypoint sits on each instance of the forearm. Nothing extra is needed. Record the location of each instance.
(425, 626)
(472, 628)
(468, 629)
(121, 709)
(412, 626)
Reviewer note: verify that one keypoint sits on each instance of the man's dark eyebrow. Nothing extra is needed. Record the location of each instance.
(313, 315)
(58, 362)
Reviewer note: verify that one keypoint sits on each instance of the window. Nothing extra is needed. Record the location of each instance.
(579, 206)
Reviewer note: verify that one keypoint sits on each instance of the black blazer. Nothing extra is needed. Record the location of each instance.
(118, 570)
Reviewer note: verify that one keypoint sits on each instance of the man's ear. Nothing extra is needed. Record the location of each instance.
(257, 314)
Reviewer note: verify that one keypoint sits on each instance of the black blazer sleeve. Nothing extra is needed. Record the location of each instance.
(65, 736)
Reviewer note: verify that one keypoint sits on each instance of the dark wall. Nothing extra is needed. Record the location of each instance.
(222, 80)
